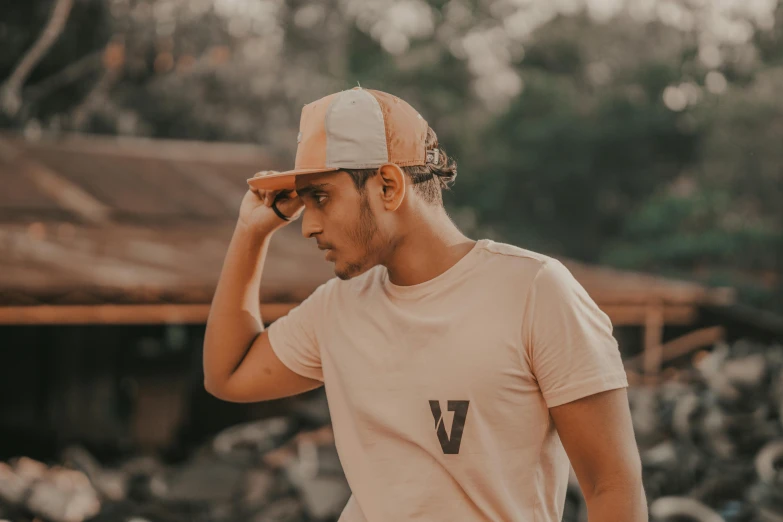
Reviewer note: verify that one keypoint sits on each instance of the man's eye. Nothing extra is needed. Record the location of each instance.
(319, 198)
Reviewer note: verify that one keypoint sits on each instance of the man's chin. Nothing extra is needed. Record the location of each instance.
(349, 272)
(342, 275)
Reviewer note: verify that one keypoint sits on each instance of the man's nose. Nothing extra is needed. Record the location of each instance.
(310, 225)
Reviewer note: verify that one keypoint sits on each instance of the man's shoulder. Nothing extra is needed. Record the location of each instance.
(503, 256)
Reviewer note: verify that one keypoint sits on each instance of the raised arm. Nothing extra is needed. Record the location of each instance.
(239, 363)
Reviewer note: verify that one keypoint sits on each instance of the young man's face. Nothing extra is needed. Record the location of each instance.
(343, 220)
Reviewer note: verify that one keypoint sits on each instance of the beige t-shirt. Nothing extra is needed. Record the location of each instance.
(439, 392)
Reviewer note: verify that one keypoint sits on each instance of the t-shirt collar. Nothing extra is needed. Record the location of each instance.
(441, 280)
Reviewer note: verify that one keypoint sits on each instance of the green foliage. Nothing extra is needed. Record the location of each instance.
(571, 171)
(686, 233)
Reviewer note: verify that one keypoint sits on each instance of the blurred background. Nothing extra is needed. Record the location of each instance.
(639, 141)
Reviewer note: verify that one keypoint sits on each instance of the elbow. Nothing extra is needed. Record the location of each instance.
(226, 393)
(214, 381)
(216, 389)
(223, 390)
(210, 387)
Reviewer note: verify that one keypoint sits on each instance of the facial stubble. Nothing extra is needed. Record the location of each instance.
(362, 236)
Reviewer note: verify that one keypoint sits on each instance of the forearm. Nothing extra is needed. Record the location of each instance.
(235, 317)
(617, 502)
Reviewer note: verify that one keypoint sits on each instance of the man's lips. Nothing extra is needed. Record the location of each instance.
(328, 251)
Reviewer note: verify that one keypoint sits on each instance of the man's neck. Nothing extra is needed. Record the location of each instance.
(427, 251)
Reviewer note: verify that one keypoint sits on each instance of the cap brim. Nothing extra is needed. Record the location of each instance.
(284, 180)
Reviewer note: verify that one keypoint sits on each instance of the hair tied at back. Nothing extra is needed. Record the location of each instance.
(433, 156)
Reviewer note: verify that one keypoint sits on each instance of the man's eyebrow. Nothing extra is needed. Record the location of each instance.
(312, 188)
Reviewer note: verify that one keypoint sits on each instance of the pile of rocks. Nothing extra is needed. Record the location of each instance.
(711, 439)
(265, 471)
(55, 493)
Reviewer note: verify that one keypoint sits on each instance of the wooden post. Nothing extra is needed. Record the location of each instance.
(653, 333)
(680, 346)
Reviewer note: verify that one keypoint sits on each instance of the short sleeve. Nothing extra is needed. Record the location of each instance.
(295, 336)
(568, 339)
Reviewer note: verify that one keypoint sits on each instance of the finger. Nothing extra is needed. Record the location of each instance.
(274, 196)
(285, 195)
(277, 196)
(291, 206)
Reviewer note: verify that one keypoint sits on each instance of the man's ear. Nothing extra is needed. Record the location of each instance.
(392, 180)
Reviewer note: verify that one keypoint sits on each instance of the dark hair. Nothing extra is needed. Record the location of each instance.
(428, 180)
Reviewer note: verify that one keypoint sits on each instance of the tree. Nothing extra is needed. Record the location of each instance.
(10, 91)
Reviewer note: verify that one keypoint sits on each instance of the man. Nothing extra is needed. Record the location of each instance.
(461, 375)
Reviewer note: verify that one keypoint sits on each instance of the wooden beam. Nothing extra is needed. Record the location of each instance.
(123, 314)
(168, 313)
(621, 291)
(682, 345)
(636, 315)
(634, 378)
(653, 332)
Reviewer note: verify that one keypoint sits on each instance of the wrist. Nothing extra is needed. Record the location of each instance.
(254, 233)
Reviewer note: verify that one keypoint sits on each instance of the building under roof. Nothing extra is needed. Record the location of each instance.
(96, 229)
(128, 230)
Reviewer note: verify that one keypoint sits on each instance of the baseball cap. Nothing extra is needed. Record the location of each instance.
(353, 129)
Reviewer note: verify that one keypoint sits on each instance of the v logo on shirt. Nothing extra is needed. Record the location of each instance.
(450, 443)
